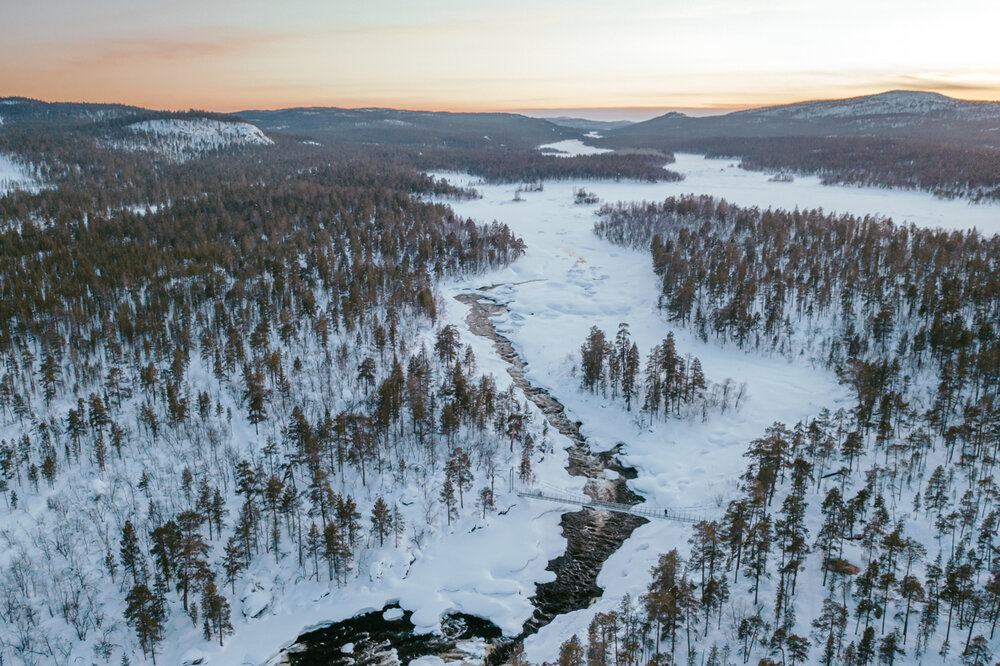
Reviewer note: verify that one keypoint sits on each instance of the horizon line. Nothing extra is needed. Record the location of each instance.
(718, 108)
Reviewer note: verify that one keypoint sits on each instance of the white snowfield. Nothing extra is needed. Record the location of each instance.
(185, 137)
(572, 148)
(889, 103)
(724, 179)
(14, 176)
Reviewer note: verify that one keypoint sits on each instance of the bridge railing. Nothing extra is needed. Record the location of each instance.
(660, 513)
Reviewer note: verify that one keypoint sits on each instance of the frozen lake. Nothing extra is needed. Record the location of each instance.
(723, 179)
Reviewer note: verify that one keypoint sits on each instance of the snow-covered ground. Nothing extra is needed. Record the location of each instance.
(572, 148)
(570, 280)
(722, 178)
(14, 176)
(181, 138)
(487, 568)
(577, 281)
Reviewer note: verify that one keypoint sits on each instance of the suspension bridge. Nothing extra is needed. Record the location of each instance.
(690, 515)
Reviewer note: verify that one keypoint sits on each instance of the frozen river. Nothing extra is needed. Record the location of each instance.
(570, 280)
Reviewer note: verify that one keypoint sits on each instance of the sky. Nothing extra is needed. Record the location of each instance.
(630, 57)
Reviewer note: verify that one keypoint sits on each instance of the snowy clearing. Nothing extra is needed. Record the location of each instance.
(14, 176)
(571, 148)
(722, 178)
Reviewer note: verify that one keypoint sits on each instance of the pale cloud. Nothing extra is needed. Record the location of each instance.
(520, 54)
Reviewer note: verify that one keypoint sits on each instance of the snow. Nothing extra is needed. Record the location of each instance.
(889, 103)
(578, 280)
(490, 567)
(485, 567)
(255, 599)
(570, 280)
(182, 138)
(392, 614)
(193, 657)
(722, 178)
(572, 148)
(14, 176)
(204, 131)
(143, 209)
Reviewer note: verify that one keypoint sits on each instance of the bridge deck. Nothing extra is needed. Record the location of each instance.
(658, 513)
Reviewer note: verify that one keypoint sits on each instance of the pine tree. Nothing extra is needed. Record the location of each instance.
(145, 613)
(460, 470)
(216, 610)
(890, 647)
(49, 372)
(592, 355)
(664, 600)
(255, 395)
(448, 498)
(233, 561)
(758, 548)
(336, 552)
(131, 556)
(630, 372)
(190, 566)
(398, 524)
(314, 547)
(381, 520)
(571, 652)
(524, 470)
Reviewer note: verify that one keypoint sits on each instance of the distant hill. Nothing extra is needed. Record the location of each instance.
(587, 125)
(32, 129)
(410, 128)
(923, 116)
(22, 111)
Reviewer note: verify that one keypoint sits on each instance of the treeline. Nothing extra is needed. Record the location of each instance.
(670, 383)
(91, 175)
(951, 171)
(866, 288)
(517, 166)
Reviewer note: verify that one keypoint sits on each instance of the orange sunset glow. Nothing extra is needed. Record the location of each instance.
(519, 55)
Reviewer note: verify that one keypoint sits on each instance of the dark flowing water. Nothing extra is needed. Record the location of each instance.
(591, 537)
(376, 640)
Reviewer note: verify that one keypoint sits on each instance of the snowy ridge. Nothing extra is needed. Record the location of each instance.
(183, 138)
(896, 102)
